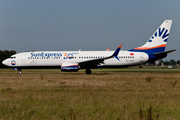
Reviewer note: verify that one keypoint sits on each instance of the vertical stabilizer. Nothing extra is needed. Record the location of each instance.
(157, 42)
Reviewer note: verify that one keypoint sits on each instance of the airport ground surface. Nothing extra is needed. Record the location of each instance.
(107, 94)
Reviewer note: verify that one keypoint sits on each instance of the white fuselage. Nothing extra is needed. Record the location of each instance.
(57, 58)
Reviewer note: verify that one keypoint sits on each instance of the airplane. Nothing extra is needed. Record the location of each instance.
(151, 51)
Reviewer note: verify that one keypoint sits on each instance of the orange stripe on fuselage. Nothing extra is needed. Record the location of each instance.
(147, 48)
(70, 65)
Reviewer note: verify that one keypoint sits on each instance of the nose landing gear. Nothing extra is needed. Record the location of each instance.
(20, 72)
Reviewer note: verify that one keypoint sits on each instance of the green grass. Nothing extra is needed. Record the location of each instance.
(97, 71)
(109, 95)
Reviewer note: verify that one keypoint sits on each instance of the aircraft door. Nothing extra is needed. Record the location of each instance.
(141, 57)
(76, 57)
(24, 58)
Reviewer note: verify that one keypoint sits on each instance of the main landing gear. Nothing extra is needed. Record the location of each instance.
(88, 71)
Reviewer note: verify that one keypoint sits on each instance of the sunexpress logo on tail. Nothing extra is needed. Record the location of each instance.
(161, 33)
(43, 54)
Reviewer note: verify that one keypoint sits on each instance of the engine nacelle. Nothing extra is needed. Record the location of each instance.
(69, 67)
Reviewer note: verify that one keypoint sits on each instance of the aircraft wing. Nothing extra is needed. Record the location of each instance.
(94, 62)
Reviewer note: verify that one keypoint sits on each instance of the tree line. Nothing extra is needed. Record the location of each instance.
(4, 55)
(170, 62)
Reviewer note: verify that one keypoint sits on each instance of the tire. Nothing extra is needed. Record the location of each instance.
(20, 72)
(88, 71)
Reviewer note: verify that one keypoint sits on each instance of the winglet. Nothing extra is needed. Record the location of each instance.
(108, 49)
(117, 50)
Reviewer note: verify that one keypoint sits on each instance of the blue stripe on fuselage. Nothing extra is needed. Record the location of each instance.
(150, 52)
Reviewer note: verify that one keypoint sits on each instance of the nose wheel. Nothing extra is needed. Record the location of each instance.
(88, 71)
(20, 72)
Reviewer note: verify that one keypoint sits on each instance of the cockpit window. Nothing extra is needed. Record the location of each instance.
(12, 57)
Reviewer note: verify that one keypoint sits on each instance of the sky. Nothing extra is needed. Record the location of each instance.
(70, 25)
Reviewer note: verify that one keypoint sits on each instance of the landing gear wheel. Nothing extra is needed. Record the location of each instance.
(20, 72)
(88, 71)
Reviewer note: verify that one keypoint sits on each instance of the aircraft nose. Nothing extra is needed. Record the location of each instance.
(5, 62)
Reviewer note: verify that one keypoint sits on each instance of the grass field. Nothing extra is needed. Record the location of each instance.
(107, 94)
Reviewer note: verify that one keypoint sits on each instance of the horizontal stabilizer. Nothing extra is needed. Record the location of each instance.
(163, 54)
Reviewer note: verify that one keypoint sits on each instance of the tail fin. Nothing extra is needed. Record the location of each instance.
(158, 40)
